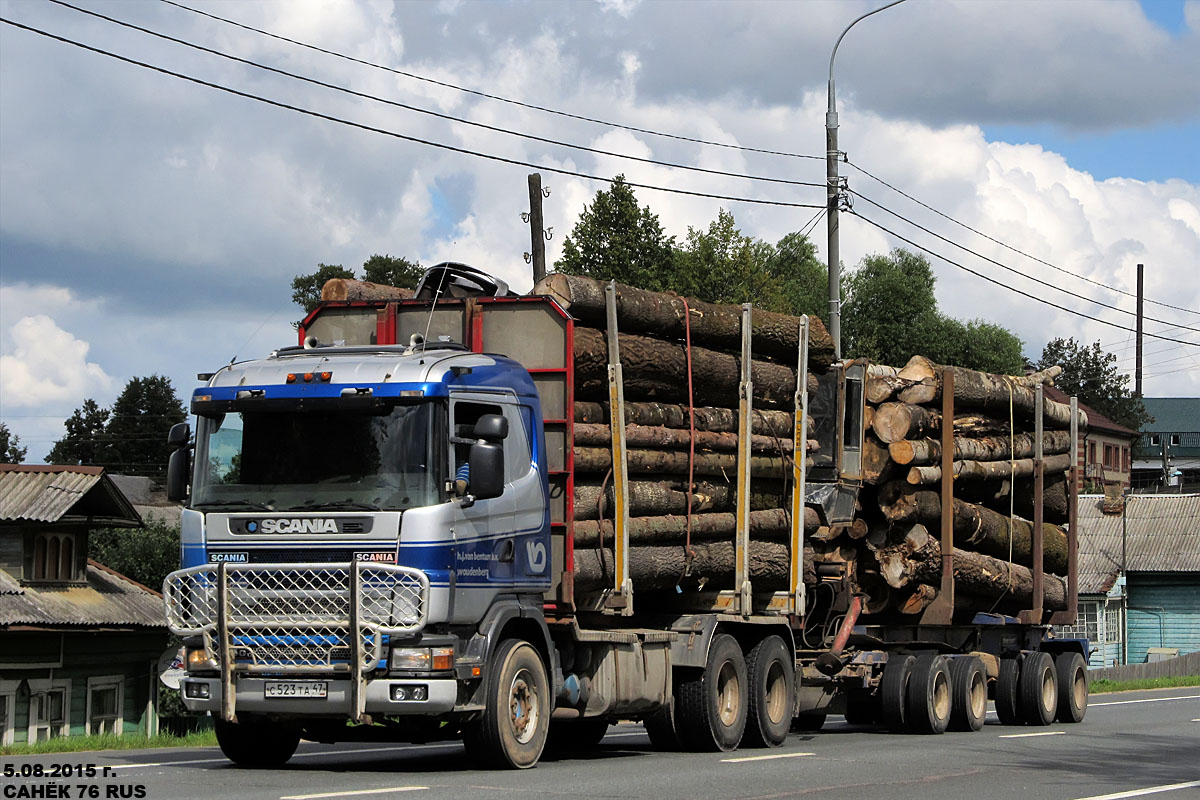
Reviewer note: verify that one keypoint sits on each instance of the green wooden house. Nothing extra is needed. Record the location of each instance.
(79, 643)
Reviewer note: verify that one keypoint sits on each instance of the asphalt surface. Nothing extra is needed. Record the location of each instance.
(1131, 744)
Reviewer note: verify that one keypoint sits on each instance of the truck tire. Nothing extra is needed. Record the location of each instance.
(862, 708)
(1039, 689)
(255, 743)
(929, 699)
(711, 707)
(969, 684)
(660, 727)
(1007, 693)
(1072, 687)
(511, 732)
(772, 672)
(893, 690)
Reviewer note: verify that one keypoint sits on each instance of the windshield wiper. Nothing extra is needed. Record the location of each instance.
(326, 505)
(252, 504)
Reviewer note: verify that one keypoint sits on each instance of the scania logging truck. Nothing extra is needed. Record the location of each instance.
(460, 515)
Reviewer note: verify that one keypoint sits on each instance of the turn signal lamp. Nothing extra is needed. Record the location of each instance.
(443, 658)
(291, 378)
(326, 376)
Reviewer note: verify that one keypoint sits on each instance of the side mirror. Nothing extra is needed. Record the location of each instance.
(492, 427)
(178, 468)
(487, 469)
(179, 436)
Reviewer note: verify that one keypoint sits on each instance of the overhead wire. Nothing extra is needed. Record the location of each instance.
(498, 98)
(396, 134)
(431, 112)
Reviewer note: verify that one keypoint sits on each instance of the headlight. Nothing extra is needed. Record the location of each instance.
(423, 658)
(198, 659)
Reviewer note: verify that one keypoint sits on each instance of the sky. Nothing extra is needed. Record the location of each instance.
(152, 225)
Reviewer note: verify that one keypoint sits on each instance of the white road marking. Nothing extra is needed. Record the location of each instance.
(1168, 787)
(1147, 700)
(355, 792)
(298, 755)
(1027, 735)
(763, 758)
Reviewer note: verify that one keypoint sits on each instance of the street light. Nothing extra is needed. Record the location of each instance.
(833, 194)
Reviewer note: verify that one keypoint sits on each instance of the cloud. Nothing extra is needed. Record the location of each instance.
(47, 365)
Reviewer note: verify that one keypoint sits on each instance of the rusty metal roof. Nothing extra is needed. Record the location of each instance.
(1162, 535)
(108, 600)
(63, 494)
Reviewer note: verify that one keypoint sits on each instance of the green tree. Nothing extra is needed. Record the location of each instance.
(1092, 375)
(614, 238)
(722, 265)
(85, 433)
(392, 271)
(306, 289)
(135, 438)
(801, 280)
(144, 554)
(10, 450)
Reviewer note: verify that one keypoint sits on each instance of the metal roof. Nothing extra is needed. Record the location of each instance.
(1172, 414)
(1162, 534)
(52, 493)
(108, 600)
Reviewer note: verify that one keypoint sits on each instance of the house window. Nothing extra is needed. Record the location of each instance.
(1155, 440)
(1091, 453)
(1175, 439)
(1114, 622)
(105, 702)
(54, 557)
(1125, 459)
(8, 710)
(49, 709)
(1087, 624)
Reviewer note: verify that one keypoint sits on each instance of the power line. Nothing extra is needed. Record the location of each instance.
(990, 279)
(430, 112)
(1008, 246)
(488, 96)
(395, 134)
(1017, 271)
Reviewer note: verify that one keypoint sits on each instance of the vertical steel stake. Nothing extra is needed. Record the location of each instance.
(622, 594)
(799, 475)
(741, 576)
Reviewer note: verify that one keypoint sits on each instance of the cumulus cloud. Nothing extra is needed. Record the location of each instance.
(47, 365)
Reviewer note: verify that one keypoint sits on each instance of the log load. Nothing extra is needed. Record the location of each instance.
(893, 422)
(675, 415)
(773, 524)
(654, 369)
(719, 327)
(976, 527)
(996, 497)
(599, 459)
(989, 470)
(347, 290)
(918, 560)
(919, 452)
(653, 498)
(982, 390)
(652, 436)
(711, 565)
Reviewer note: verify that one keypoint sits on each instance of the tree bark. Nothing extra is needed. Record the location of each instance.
(674, 415)
(655, 498)
(922, 595)
(894, 422)
(918, 452)
(773, 524)
(989, 470)
(599, 459)
(974, 573)
(716, 326)
(711, 567)
(996, 497)
(976, 527)
(982, 390)
(653, 436)
(347, 289)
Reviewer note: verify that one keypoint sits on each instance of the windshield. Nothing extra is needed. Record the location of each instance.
(331, 459)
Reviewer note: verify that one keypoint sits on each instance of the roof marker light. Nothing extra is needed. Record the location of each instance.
(291, 377)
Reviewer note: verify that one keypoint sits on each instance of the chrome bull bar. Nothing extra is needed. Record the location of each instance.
(296, 618)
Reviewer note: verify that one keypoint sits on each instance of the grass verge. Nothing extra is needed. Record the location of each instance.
(78, 744)
(1103, 686)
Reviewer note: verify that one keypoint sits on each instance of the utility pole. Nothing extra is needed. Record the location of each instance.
(833, 196)
(537, 249)
(1137, 380)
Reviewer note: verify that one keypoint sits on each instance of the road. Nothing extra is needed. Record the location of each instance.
(1131, 744)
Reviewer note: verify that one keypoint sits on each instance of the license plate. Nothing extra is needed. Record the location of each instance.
(296, 689)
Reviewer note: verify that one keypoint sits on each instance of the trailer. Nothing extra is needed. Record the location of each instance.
(383, 539)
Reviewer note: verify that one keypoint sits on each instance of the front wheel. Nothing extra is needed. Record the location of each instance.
(255, 743)
(512, 731)
(711, 707)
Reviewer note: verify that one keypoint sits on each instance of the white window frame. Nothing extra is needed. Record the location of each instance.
(106, 682)
(8, 690)
(40, 685)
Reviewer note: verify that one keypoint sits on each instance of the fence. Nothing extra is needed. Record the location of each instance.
(1170, 668)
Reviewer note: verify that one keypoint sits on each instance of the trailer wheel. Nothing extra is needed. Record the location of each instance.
(660, 727)
(516, 719)
(892, 691)
(1008, 692)
(929, 699)
(255, 743)
(1072, 687)
(771, 669)
(969, 684)
(1039, 689)
(712, 707)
